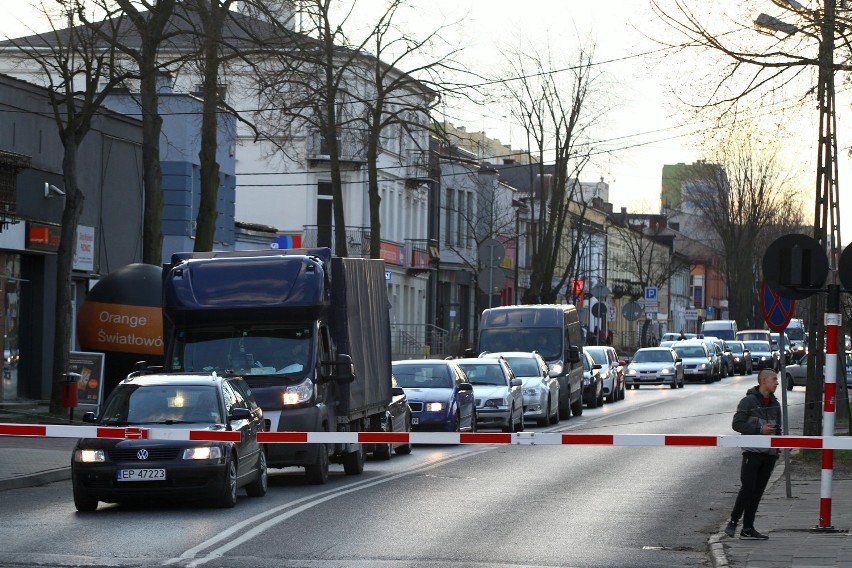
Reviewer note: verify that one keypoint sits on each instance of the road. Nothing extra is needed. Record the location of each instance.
(468, 506)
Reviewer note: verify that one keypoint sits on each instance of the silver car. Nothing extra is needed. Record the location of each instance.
(696, 359)
(540, 390)
(499, 400)
(655, 366)
(796, 374)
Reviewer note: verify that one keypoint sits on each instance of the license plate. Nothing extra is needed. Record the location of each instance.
(150, 474)
(415, 421)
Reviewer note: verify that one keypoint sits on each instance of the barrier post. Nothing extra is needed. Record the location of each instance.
(832, 324)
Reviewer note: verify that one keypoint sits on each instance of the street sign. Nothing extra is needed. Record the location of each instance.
(651, 315)
(491, 280)
(491, 253)
(631, 311)
(651, 293)
(777, 310)
(690, 314)
(599, 310)
(795, 266)
(600, 291)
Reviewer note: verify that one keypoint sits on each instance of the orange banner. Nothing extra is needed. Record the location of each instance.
(123, 328)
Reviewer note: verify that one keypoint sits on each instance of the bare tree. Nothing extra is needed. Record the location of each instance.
(151, 27)
(739, 192)
(556, 115)
(79, 73)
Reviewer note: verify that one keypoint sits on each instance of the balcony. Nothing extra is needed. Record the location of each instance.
(420, 255)
(417, 168)
(357, 239)
(350, 144)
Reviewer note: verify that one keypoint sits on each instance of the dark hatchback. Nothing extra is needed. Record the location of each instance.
(143, 469)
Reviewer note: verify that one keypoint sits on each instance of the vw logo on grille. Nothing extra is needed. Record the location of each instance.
(142, 454)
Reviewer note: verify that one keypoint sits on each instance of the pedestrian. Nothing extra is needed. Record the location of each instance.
(682, 335)
(758, 413)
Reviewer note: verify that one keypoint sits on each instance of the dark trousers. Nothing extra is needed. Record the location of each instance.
(754, 475)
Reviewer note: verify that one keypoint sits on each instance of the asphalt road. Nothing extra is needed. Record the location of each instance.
(468, 506)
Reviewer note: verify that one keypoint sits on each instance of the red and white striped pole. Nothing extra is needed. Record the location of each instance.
(832, 324)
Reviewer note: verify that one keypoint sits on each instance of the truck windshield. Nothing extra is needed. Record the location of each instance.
(546, 340)
(248, 351)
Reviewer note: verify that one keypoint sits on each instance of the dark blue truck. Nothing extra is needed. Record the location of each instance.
(309, 332)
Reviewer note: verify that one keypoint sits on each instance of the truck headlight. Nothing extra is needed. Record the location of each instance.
(89, 456)
(298, 394)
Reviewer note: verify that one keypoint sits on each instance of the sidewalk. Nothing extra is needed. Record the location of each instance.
(789, 523)
(27, 462)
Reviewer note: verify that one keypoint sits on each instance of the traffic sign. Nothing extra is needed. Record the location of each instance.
(491, 253)
(795, 266)
(651, 293)
(599, 310)
(777, 310)
(631, 311)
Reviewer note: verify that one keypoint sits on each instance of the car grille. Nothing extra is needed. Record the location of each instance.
(416, 406)
(129, 454)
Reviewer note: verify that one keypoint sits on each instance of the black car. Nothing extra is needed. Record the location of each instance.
(118, 470)
(397, 419)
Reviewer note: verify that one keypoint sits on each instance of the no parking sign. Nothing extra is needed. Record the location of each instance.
(777, 310)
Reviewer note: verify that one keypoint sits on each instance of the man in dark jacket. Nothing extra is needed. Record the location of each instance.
(758, 413)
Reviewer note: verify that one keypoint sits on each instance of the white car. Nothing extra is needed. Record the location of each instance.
(540, 390)
(611, 370)
(696, 359)
(499, 400)
(655, 366)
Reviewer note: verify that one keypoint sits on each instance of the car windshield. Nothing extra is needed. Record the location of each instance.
(427, 375)
(524, 366)
(483, 374)
(249, 351)
(655, 356)
(598, 355)
(758, 346)
(736, 348)
(162, 404)
(691, 351)
(546, 340)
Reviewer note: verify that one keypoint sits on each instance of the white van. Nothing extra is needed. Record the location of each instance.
(723, 329)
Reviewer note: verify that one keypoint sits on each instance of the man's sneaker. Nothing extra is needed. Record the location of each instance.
(731, 529)
(751, 534)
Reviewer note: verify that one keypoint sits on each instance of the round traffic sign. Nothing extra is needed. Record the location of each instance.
(795, 266)
(491, 280)
(631, 311)
(777, 310)
(599, 310)
(491, 253)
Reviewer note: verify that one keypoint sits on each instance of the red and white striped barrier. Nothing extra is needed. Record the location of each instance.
(434, 438)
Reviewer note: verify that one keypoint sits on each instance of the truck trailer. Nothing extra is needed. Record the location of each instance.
(309, 332)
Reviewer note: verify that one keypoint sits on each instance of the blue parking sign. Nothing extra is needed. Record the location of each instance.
(650, 293)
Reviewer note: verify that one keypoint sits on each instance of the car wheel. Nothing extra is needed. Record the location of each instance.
(789, 382)
(600, 399)
(674, 383)
(593, 401)
(548, 418)
(577, 406)
(473, 425)
(510, 427)
(622, 392)
(636, 387)
(317, 473)
(258, 487)
(520, 427)
(457, 422)
(353, 462)
(384, 451)
(228, 497)
(406, 449)
(83, 502)
(554, 419)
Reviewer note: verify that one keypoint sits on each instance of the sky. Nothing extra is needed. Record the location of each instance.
(646, 126)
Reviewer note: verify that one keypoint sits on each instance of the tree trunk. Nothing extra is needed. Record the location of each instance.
(152, 238)
(64, 259)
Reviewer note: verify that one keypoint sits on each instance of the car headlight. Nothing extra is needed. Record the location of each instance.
(763, 357)
(496, 402)
(531, 391)
(203, 453)
(298, 394)
(89, 456)
(435, 406)
(667, 371)
(702, 366)
(587, 380)
(555, 367)
(632, 372)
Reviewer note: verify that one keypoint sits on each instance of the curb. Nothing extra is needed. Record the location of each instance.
(35, 479)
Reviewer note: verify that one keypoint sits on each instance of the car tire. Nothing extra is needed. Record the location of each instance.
(789, 382)
(473, 425)
(577, 406)
(510, 426)
(601, 398)
(554, 419)
(384, 451)
(353, 462)
(611, 396)
(457, 422)
(83, 502)
(405, 449)
(258, 487)
(228, 496)
(636, 387)
(317, 473)
(548, 418)
(593, 402)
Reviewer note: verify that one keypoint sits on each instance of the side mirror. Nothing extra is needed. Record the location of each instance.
(342, 370)
(517, 382)
(573, 354)
(678, 360)
(466, 387)
(239, 414)
(397, 391)
(596, 366)
(89, 417)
